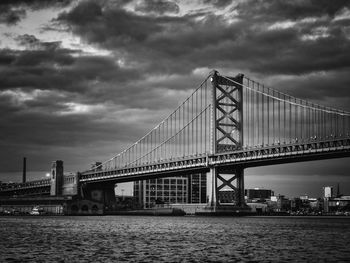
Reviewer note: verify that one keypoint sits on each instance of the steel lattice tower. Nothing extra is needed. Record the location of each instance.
(226, 135)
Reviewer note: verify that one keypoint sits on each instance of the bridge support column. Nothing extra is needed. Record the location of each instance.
(240, 187)
(56, 178)
(219, 179)
(212, 188)
(230, 179)
(226, 135)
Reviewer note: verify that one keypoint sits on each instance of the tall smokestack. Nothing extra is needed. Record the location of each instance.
(24, 170)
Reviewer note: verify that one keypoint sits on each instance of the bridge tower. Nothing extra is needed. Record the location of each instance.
(56, 178)
(226, 136)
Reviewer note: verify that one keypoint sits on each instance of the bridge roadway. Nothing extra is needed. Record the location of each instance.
(247, 157)
(38, 187)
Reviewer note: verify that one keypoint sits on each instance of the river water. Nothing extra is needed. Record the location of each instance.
(173, 239)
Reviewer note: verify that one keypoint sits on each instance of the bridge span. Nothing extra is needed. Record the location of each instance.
(226, 125)
(247, 158)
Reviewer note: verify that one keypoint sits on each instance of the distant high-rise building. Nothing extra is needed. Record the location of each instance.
(327, 191)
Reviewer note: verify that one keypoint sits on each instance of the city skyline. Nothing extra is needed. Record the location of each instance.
(82, 80)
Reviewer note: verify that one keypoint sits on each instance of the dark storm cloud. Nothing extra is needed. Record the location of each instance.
(296, 46)
(156, 43)
(10, 16)
(181, 44)
(289, 9)
(63, 99)
(157, 6)
(48, 66)
(6, 57)
(331, 89)
(79, 77)
(282, 52)
(50, 137)
(12, 11)
(44, 126)
(89, 20)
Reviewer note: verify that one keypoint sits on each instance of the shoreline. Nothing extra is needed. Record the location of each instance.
(140, 213)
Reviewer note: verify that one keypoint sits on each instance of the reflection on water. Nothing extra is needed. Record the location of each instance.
(173, 239)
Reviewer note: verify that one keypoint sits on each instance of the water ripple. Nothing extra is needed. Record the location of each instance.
(173, 239)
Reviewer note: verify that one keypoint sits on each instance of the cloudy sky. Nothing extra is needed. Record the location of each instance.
(81, 80)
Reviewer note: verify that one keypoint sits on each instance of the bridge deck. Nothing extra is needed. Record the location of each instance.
(250, 157)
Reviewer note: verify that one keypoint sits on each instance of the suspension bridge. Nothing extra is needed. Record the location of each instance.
(226, 125)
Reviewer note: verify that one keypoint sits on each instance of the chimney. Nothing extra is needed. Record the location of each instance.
(24, 170)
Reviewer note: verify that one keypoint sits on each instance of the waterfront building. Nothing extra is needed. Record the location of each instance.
(173, 190)
(197, 188)
(337, 204)
(161, 191)
(279, 203)
(258, 208)
(315, 204)
(296, 204)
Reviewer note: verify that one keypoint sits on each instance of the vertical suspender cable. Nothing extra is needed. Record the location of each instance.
(197, 137)
(250, 123)
(201, 124)
(268, 116)
(296, 119)
(290, 119)
(263, 113)
(257, 111)
(279, 119)
(284, 117)
(192, 146)
(204, 121)
(301, 120)
(273, 117)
